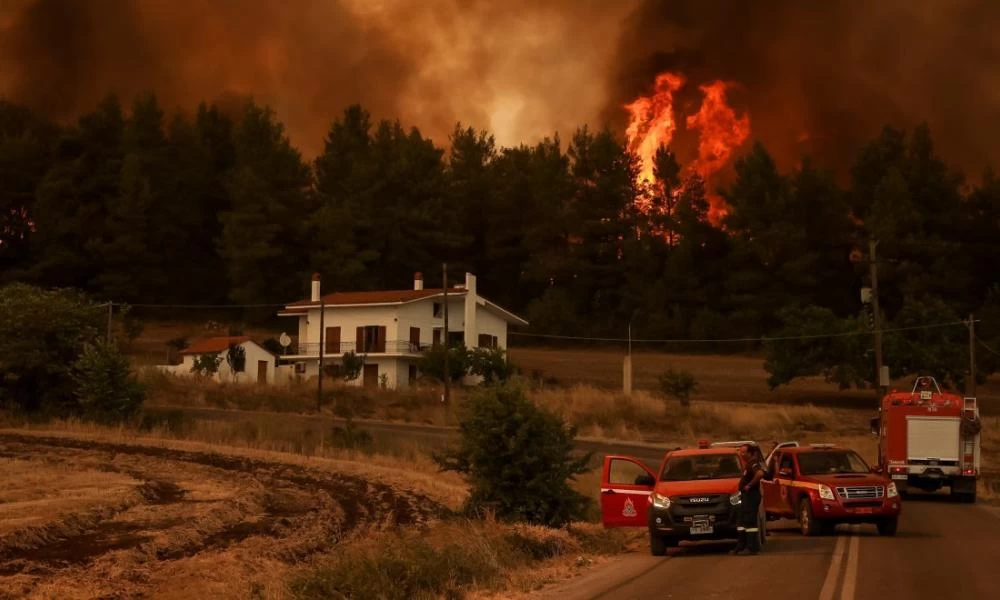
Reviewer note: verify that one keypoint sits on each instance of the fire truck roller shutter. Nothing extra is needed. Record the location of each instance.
(932, 438)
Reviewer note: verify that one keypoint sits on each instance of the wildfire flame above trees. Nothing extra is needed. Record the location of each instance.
(653, 123)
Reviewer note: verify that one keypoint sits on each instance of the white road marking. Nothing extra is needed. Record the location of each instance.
(851, 576)
(833, 573)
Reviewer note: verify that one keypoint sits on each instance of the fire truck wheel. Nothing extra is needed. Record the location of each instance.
(807, 523)
(888, 526)
(658, 544)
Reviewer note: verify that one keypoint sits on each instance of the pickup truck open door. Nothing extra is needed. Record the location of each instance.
(626, 484)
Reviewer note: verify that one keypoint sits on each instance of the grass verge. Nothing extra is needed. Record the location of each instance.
(455, 558)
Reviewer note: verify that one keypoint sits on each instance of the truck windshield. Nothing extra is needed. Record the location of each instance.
(826, 463)
(702, 466)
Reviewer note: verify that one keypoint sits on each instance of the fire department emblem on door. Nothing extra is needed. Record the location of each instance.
(629, 509)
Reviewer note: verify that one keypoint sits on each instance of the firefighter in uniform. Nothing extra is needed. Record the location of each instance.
(748, 531)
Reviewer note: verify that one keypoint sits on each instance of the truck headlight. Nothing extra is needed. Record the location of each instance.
(735, 499)
(890, 490)
(660, 501)
(825, 492)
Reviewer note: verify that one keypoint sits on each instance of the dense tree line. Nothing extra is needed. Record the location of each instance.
(138, 206)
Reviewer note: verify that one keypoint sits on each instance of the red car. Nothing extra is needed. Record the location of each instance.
(693, 497)
(822, 485)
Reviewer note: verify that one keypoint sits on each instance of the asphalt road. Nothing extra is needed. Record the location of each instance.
(942, 550)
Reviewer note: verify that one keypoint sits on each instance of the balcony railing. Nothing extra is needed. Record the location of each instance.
(335, 349)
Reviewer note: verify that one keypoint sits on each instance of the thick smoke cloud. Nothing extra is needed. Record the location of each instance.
(823, 77)
(816, 77)
(522, 69)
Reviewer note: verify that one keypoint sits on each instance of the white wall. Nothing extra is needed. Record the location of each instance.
(349, 319)
(395, 367)
(421, 314)
(490, 324)
(254, 353)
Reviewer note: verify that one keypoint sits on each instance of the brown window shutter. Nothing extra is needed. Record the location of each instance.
(332, 340)
(360, 342)
(414, 339)
(437, 338)
(381, 339)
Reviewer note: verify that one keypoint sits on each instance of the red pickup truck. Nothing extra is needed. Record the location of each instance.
(693, 496)
(822, 485)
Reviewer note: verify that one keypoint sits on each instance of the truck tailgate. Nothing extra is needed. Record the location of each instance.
(932, 438)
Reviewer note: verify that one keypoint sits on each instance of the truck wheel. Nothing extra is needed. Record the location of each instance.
(888, 526)
(658, 544)
(807, 523)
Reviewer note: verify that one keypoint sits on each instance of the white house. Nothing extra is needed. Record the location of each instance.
(259, 368)
(391, 328)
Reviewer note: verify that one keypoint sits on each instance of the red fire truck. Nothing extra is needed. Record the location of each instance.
(929, 439)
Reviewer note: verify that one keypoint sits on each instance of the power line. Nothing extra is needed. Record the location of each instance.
(739, 340)
(984, 345)
(198, 306)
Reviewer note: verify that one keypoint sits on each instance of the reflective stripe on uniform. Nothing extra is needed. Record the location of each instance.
(739, 529)
(751, 529)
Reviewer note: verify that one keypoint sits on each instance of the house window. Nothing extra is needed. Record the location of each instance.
(487, 341)
(370, 338)
(438, 310)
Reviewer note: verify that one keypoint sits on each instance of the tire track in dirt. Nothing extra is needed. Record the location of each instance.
(273, 510)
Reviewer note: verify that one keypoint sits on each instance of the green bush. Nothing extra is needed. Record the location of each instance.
(352, 366)
(432, 362)
(206, 365)
(490, 364)
(107, 389)
(678, 384)
(42, 336)
(517, 459)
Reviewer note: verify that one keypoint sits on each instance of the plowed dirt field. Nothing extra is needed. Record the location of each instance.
(85, 518)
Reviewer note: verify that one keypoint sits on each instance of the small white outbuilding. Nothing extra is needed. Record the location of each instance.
(259, 367)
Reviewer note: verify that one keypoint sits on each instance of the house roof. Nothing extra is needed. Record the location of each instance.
(393, 297)
(214, 345)
(374, 297)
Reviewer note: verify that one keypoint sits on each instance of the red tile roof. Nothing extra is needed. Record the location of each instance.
(214, 345)
(376, 297)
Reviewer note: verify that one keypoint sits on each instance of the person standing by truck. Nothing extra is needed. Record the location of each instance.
(748, 531)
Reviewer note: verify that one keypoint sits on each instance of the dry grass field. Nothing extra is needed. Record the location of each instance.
(102, 515)
(729, 378)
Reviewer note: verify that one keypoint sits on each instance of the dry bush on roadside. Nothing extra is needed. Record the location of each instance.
(450, 560)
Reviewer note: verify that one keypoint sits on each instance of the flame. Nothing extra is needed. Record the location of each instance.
(720, 132)
(652, 123)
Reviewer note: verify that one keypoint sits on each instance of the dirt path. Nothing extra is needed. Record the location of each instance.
(131, 521)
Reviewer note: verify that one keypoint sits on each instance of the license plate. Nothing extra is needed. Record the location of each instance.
(899, 476)
(701, 528)
(864, 510)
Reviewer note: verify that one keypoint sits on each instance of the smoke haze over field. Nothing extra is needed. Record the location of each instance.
(814, 77)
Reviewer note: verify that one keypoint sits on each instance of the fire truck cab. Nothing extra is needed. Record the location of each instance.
(693, 496)
(929, 439)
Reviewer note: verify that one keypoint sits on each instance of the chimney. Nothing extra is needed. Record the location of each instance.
(470, 329)
(418, 281)
(315, 288)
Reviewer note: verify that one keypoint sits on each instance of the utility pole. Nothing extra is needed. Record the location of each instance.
(873, 267)
(447, 372)
(111, 308)
(322, 350)
(970, 387)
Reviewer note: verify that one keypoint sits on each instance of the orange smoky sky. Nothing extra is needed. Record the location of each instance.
(813, 77)
(520, 69)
